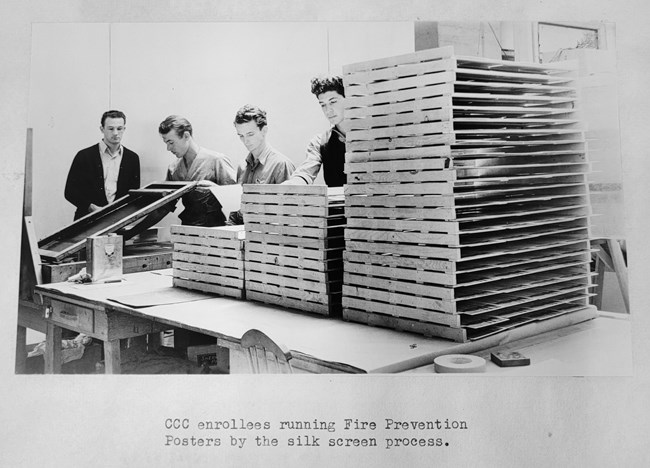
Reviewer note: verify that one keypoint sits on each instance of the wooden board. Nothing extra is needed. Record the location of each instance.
(438, 73)
(548, 253)
(413, 250)
(235, 233)
(403, 237)
(488, 327)
(218, 271)
(327, 243)
(218, 244)
(295, 231)
(288, 251)
(303, 199)
(424, 103)
(398, 305)
(414, 287)
(408, 165)
(408, 187)
(210, 276)
(401, 142)
(465, 127)
(450, 273)
(428, 55)
(30, 261)
(464, 82)
(288, 220)
(447, 230)
(289, 210)
(540, 296)
(443, 89)
(418, 272)
(295, 272)
(416, 262)
(209, 250)
(280, 189)
(382, 78)
(139, 259)
(289, 283)
(294, 262)
(443, 58)
(301, 304)
(221, 261)
(501, 296)
(443, 298)
(404, 324)
(415, 116)
(218, 289)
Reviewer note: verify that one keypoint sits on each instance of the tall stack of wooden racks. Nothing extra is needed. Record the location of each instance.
(467, 202)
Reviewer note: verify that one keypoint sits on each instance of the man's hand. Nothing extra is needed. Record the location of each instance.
(92, 207)
(204, 185)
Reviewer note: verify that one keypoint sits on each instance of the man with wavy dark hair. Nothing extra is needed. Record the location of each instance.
(196, 163)
(264, 164)
(104, 172)
(326, 150)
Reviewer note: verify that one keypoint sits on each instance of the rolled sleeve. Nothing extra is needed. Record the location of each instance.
(283, 172)
(309, 169)
(225, 173)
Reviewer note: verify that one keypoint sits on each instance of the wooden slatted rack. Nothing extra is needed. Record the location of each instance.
(467, 201)
(294, 246)
(209, 259)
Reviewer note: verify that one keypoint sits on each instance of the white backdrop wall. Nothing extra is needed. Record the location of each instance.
(203, 71)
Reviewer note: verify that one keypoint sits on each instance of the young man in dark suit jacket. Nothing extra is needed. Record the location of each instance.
(103, 172)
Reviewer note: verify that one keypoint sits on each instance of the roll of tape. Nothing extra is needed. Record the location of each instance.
(459, 363)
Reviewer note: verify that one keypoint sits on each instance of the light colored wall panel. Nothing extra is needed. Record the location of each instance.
(204, 71)
(68, 93)
(599, 103)
(359, 42)
(471, 38)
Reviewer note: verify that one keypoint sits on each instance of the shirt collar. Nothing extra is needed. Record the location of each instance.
(250, 159)
(338, 133)
(103, 149)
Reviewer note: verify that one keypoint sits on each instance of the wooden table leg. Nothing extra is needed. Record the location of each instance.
(597, 300)
(112, 357)
(153, 341)
(52, 349)
(21, 351)
(621, 270)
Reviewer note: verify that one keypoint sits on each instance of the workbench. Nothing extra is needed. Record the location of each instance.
(599, 347)
(147, 302)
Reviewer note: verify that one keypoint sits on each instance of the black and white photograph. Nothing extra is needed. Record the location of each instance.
(298, 234)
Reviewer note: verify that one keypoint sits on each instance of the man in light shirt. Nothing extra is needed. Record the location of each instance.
(104, 172)
(263, 164)
(196, 163)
